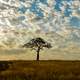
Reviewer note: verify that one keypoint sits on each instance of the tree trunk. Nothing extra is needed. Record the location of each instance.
(38, 54)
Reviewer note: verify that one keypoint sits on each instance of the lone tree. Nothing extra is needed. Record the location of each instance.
(37, 44)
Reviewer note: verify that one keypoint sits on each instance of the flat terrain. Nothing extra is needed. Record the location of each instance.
(40, 70)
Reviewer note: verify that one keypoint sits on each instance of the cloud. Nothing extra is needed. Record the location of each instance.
(48, 19)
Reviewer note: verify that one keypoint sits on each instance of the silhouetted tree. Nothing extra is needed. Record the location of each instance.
(37, 44)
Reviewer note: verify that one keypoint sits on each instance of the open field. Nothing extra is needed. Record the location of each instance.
(40, 70)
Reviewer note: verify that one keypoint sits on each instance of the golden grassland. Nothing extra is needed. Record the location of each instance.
(40, 70)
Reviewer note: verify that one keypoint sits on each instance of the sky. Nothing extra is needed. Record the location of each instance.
(56, 21)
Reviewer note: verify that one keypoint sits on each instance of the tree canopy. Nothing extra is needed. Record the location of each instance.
(37, 42)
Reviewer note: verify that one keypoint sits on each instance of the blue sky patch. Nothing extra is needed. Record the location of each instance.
(75, 22)
(58, 1)
(67, 11)
(44, 2)
(35, 9)
(78, 11)
(68, 0)
(22, 9)
(58, 5)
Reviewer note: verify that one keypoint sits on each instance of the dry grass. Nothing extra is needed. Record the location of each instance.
(41, 70)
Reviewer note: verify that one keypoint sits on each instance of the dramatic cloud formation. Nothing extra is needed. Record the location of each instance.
(57, 21)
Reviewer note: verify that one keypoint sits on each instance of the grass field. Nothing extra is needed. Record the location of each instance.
(40, 70)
